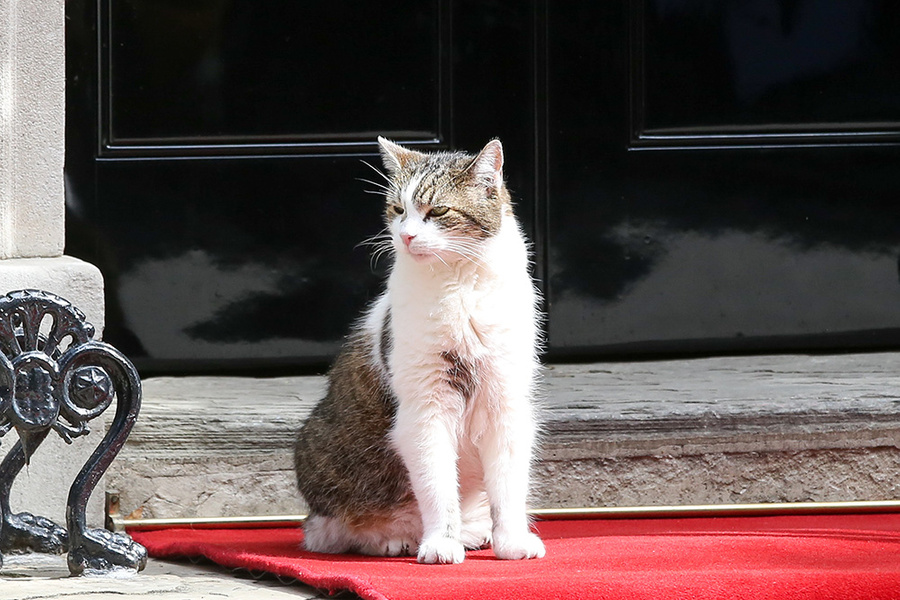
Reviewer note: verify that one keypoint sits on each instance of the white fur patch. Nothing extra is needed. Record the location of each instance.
(408, 193)
(483, 313)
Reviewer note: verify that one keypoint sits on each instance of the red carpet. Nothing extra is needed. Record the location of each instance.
(846, 557)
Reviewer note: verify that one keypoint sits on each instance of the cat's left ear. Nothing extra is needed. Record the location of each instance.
(487, 168)
(396, 157)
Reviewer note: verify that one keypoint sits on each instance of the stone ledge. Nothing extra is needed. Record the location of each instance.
(732, 429)
(78, 282)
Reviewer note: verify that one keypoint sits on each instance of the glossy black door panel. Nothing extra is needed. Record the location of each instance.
(765, 68)
(687, 213)
(209, 267)
(226, 73)
(219, 189)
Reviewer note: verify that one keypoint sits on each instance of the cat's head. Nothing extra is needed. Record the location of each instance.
(443, 206)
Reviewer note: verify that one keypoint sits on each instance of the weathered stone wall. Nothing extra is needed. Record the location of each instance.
(32, 219)
(703, 431)
(32, 128)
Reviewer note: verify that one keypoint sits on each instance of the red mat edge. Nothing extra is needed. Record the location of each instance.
(355, 583)
(333, 584)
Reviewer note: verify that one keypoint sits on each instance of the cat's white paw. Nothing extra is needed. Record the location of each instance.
(441, 550)
(399, 547)
(476, 535)
(517, 547)
(477, 526)
(475, 539)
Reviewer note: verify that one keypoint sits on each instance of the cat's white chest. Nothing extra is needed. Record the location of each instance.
(471, 312)
(466, 316)
(436, 316)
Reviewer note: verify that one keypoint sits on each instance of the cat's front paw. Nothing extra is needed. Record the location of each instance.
(518, 547)
(441, 550)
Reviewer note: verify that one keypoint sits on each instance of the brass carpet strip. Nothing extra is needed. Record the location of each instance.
(614, 512)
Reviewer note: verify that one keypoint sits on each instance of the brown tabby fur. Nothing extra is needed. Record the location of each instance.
(345, 464)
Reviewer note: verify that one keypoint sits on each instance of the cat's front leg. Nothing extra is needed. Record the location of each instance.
(424, 434)
(506, 456)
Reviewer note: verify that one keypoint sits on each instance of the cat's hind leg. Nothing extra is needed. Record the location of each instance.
(394, 534)
(326, 534)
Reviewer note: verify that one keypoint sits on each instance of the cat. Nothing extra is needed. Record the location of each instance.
(423, 444)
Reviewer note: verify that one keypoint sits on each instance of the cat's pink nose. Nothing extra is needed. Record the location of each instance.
(407, 239)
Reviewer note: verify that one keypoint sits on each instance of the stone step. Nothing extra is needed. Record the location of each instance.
(782, 428)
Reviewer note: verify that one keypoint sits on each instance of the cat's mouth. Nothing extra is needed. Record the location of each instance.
(420, 254)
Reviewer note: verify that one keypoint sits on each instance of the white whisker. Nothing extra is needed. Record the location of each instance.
(380, 186)
(381, 243)
(386, 178)
(438, 256)
(379, 251)
(379, 237)
(467, 249)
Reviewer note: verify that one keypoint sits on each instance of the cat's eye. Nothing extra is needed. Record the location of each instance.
(438, 211)
(397, 209)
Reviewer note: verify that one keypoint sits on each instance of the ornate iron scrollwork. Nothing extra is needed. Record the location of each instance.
(55, 377)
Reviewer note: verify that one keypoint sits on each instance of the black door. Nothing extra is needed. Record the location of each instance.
(723, 175)
(216, 149)
(696, 176)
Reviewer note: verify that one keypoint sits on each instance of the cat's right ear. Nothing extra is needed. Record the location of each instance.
(395, 157)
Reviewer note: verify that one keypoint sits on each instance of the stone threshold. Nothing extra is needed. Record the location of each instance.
(748, 429)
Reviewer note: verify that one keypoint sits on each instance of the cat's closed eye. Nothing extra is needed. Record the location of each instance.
(397, 209)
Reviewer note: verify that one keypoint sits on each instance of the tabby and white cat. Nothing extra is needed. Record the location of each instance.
(424, 440)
